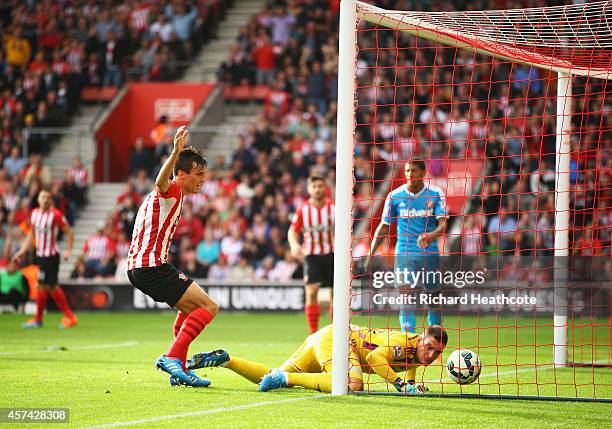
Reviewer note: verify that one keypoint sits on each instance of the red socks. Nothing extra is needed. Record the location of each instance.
(42, 296)
(62, 303)
(180, 318)
(192, 326)
(312, 317)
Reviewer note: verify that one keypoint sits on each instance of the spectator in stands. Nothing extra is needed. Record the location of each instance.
(14, 288)
(588, 244)
(279, 23)
(79, 175)
(99, 253)
(502, 231)
(115, 52)
(283, 269)
(264, 56)
(15, 163)
(192, 267)
(141, 157)
(243, 271)
(142, 182)
(18, 48)
(209, 249)
(37, 171)
(219, 270)
(161, 135)
(80, 271)
(182, 22)
(162, 27)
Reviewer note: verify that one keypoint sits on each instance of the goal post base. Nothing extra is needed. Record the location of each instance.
(478, 396)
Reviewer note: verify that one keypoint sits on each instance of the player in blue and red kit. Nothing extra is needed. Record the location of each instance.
(420, 212)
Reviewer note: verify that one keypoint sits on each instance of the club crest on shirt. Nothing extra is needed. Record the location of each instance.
(183, 277)
(397, 352)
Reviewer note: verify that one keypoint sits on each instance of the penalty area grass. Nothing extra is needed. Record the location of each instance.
(102, 371)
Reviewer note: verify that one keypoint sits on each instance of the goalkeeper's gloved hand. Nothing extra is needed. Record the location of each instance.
(406, 388)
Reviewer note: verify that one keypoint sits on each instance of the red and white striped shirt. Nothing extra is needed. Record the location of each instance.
(46, 226)
(99, 247)
(154, 228)
(139, 17)
(79, 175)
(317, 226)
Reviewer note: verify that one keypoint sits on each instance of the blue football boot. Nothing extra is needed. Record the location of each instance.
(32, 324)
(195, 381)
(274, 380)
(207, 359)
(174, 367)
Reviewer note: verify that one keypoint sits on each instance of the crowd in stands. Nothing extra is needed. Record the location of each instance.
(236, 228)
(49, 52)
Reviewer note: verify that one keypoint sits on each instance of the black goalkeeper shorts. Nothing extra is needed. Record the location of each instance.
(163, 283)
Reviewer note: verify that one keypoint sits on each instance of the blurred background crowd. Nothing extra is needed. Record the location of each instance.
(236, 228)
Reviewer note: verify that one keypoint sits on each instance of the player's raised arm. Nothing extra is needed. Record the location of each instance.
(163, 178)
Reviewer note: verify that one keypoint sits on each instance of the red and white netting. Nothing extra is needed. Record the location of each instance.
(474, 94)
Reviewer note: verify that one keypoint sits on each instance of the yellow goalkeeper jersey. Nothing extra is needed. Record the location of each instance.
(385, 351)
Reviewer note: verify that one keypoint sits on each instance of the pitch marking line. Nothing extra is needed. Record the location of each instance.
(75, 348)
(203, 412)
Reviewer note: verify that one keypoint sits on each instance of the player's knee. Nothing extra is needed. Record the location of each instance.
(355, 386)
(212, 307)
(312, 293)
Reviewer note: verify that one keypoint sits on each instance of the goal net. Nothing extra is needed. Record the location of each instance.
(510, 110)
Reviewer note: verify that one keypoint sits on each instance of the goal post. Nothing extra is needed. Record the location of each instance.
(426, 51)
(344, 195)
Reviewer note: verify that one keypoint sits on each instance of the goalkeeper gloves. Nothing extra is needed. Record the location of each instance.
(406, 388)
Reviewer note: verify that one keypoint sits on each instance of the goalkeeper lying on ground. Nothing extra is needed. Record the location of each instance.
(374, 351)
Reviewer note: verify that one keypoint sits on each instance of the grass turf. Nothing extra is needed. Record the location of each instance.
(103, 372)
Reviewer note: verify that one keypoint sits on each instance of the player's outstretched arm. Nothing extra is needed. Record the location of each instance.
(163, 178)
(379, 361)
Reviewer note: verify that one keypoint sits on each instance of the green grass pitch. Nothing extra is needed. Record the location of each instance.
(103, 372)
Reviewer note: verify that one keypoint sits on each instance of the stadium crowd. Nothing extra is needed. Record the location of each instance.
(236, 228)
(49, 52)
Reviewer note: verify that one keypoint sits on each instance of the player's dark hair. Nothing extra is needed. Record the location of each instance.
(314, 178)
(419, 163)
(189, 158)
(437, 332)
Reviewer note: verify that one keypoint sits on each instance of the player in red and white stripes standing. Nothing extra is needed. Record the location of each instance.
(314, 220)
(150, 272)
(45, 224)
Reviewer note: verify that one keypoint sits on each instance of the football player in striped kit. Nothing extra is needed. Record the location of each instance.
(314, 221)
(45, 224)
(148, 267)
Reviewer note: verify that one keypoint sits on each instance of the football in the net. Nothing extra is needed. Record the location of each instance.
(463, 366)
